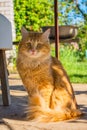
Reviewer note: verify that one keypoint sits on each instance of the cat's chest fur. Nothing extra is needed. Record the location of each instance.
(36, 74)
(40, 73)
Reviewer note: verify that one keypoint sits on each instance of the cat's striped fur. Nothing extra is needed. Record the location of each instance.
(50, 93)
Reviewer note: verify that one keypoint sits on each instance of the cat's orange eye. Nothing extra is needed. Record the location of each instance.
(28, 44)
(39, 45)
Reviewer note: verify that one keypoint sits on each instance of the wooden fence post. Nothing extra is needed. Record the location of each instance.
(4, 79)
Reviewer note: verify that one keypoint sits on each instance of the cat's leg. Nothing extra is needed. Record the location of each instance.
(35, 103)
(66, 95)
(45, 94)
(61, 99)
(62, 103)
(39, 102)
(39, 96)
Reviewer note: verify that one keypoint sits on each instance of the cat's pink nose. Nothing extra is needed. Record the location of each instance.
(33, 51)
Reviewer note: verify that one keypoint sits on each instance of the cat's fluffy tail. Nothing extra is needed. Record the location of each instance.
(51, 115)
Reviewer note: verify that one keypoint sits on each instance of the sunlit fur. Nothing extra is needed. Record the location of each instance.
(50, 94)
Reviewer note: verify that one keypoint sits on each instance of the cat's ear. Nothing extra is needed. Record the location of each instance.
(24, 32)
(45, 35)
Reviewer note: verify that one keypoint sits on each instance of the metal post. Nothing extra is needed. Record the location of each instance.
(56, 28)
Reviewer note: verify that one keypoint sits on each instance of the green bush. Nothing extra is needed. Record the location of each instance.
(33, 14)
(82, 35)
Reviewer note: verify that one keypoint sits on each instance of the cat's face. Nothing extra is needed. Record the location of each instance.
(35, 45)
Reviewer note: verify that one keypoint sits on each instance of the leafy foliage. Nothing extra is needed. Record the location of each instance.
(32, 14)
(71, 12)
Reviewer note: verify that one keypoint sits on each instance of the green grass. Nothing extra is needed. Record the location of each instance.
(76, 70)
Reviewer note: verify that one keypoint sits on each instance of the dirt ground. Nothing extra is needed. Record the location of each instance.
(13, 117)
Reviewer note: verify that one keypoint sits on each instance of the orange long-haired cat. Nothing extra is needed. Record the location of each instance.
(50, 94)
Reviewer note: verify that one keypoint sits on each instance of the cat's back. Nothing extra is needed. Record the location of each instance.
(55, 63)
(58, 69)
